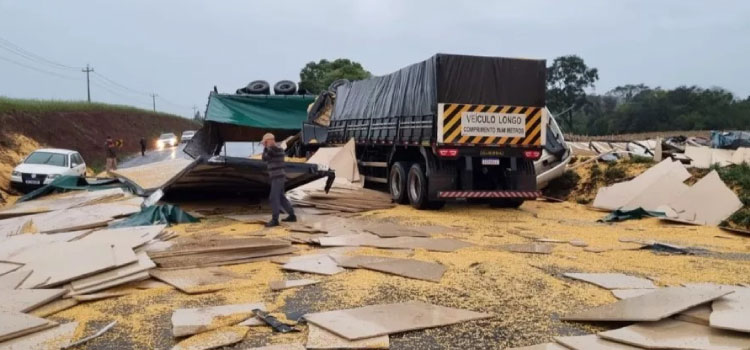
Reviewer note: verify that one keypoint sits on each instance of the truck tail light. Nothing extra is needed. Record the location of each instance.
(532, 154)
(448, 152)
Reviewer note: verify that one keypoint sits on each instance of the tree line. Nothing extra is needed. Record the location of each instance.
(630, 108)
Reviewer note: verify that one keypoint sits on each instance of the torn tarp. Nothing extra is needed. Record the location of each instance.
(73, 183)
(637, 213)
(156, 215)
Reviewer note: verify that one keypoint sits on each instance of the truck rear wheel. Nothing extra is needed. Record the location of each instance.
(417, 189)
(397, 183)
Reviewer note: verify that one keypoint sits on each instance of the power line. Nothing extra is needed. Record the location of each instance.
(37, 69)
(11, 47)
(120, 85)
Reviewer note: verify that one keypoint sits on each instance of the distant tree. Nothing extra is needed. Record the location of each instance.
(197, 117)
(567, 79)
(625, 93)
(316, 77)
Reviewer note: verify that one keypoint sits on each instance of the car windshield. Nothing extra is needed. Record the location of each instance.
(47, 158)
(166, 136)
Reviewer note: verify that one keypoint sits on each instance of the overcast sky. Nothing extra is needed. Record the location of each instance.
(181, 49)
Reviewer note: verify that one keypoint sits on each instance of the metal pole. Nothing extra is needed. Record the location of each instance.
(88, 70)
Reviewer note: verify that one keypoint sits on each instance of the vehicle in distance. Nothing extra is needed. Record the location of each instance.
(187, 135)
(166, 140)
(44, 166)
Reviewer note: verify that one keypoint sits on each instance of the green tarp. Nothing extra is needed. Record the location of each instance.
(72, 183)
(156, 215)
(637, 213)
(259, 111)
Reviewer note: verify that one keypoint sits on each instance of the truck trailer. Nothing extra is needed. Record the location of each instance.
(452, 127)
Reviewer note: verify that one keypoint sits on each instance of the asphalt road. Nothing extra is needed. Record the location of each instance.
(234, 149)
(155, 156)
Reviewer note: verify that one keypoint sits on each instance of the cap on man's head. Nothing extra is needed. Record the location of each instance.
(268, 136)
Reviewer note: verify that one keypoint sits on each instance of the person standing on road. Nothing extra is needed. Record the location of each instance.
(143, 147)
(111, 155)
(273, 155)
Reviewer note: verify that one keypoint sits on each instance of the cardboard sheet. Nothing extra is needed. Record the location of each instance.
(61, 201)
(545, 346)
(54, 307)
(143, 263)
(355, 262)
(23, 300)
(342, 160)
(286, 284)
(193, 281)
(213, 339)
(57, 263)
(16, 324)
(280, 347)
(613, 280)
(371, 321)
(133, 237)
(140, 276)
(13, 280)
(321, 339)
(389, 230)
(703, 157)
(672, 334)
(532, 248)
(708, 202)
(592, 342)
(153, 176)
(72, 219)
(54, 338)
(654, 306)
(323, 265)
(732, 311)
(619, 194)
(192, 321)
(410, 268)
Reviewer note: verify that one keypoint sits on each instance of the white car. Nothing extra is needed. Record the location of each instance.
(166, 140)
(44, 166)
(187, 135)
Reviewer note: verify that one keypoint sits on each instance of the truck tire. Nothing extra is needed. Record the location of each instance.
(258, 87)
(397, 182)
(416, 188)
(285, 87)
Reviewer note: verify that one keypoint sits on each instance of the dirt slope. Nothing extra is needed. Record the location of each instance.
(28, 124)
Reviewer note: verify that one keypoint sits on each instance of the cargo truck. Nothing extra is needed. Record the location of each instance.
(452, 127)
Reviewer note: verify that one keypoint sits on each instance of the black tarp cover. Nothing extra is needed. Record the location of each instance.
(417, 89)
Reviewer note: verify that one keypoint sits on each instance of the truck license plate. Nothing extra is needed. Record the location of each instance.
(490, 161)
(32, 182)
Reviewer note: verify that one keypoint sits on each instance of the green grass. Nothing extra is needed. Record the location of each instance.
(636, 159)
(737, 177)
(8, 105)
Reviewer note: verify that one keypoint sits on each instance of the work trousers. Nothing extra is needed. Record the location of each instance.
(278, 199)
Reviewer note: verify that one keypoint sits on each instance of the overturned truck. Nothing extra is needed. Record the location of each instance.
(242, 118)
(452, 127)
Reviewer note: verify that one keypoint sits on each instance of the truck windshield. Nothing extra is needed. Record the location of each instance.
(47, 158)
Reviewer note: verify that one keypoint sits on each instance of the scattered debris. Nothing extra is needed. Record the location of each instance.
(321, 264)
(546, 346)
(732, 311)
(193, 321)
(16, 324)
(578, 243)
(613, 280)
(194, 281)
(534, 248)
(375, 320)
(213, 339)
(321, 339)
(592, 342)
(273, 322)
(629, 293)
(286, 284)
(54, 338)
(421, 270)
(673, 334)
(708, 202)
(23, 300)
(654, 306)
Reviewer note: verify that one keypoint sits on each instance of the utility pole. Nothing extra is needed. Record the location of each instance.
(88, 70)
(153, 99)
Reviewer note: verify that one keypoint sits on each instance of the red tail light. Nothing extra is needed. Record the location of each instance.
(532, 154)
(448, 152)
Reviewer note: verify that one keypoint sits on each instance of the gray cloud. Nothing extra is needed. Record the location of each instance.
(180, 49)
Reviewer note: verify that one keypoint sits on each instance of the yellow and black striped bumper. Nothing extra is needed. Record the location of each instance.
(451, 128)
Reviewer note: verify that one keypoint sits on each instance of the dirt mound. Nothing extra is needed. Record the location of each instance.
(28, 125)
